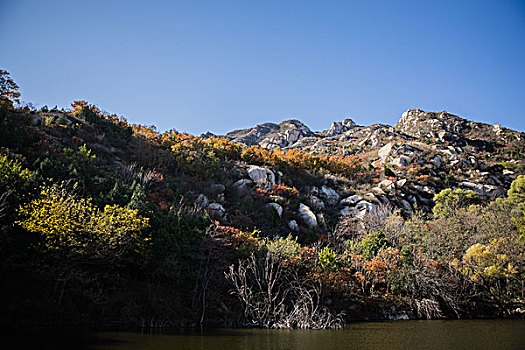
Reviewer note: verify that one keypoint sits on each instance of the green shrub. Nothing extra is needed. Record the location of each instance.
(283, 247)
(327, 260)
(369, 245)
(448, 200)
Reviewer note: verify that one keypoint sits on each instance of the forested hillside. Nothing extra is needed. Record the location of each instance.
(103, 222)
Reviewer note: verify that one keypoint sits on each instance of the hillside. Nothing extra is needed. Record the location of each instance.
(168, 226)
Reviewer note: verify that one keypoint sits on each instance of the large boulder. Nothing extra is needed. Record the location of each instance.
(352, 200)
(216, 210)
(330, 195)
(316, 203)
(202, 201)
(307, 215)
(346, 211)
(402, 162)
(257, 174)
(387, 186)
(261, 177)
(292, 224)
(385, 151)
(277, 208)
(364, 205)
(483, 189)
(242, 186)
(217, 189)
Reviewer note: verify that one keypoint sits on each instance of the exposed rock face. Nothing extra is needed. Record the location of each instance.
(338, 128)
(401, 169)
(207, 135)
(384, 152)
(418, 123)
(270, 135)
(253, 135)
(372, 140)
(444, 126)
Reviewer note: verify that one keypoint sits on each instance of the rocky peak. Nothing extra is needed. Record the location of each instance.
(421, 124)
(271, 135)
(207, 135)
(444, 126)
(253, 136)
(338, 128)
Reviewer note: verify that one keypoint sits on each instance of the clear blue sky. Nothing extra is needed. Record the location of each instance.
(220, 65)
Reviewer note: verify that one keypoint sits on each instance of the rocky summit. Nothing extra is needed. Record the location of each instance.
(270, 135)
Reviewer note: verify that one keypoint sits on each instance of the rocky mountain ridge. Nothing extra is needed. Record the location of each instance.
(402, 167)
(407, 164)
(414, 124)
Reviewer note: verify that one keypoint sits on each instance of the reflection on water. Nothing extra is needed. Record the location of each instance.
(428, 335)
(405, 335)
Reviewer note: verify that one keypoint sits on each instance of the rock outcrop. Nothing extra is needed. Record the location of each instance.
(271, 135)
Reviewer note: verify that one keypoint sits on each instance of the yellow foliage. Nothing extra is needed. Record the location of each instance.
(501, 258)
(75, 226)
(11, 172)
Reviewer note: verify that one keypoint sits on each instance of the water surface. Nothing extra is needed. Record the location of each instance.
(402, 335)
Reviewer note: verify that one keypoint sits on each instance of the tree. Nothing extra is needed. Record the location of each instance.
(497, 267)
(273, 295)
(9, 94)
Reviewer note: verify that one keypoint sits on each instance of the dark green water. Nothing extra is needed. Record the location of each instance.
(402, 335)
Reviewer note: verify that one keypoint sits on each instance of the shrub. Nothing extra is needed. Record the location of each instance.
(71, 226)
(448, 200)
(327, 260)
(283, 247)
(370, 244)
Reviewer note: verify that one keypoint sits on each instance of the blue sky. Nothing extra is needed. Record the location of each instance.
(222, 65)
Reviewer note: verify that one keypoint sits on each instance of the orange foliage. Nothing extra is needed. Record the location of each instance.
(295, 158)
(284, 191)
(78, 105)
(148, 132)
(238, 238)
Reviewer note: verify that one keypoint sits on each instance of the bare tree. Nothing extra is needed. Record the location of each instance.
(274, 296)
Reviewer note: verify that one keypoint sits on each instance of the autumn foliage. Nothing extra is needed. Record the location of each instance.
(74, 226)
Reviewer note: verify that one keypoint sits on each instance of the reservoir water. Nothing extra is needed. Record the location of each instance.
(402, 335)
(399, 335)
